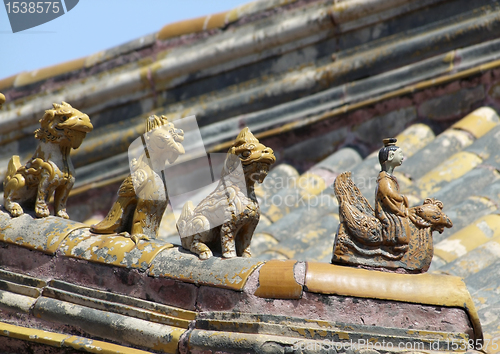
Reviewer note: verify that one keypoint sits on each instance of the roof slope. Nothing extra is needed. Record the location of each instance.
(321, 82)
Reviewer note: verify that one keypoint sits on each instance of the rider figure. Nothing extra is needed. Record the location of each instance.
(391, 207)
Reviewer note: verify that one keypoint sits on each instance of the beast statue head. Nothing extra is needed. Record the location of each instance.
(64, 125)
(164, 141)
(430, 214)
(255, 157)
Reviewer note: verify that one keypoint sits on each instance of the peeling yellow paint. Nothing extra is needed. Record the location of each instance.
(113, 249)
(274, 213)
(450, 58)
(403, 181)
(414, 138)
(477, 233)
(479, 122)
(172, 345)
(26, 78)
(58, 340)
(453, 168)
(310, 185)
(54, 230)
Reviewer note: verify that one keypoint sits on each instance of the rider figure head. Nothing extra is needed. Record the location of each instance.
(390, 156)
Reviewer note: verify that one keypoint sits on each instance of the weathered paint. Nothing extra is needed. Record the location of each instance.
(479, 122)
(41, 234)
(292, 326)
(488, 145)
(320, 231)
(453, 168)
(468, 185)
(27, 78)
(465, 212)
(112, 249)
(198, 24)
(487, 302)
(475, 260)
(118, 308)
(110, 325)
(414, 138)
(109, 297)
(58, 340)
(176, 263)
(420, 162)
(459, 244)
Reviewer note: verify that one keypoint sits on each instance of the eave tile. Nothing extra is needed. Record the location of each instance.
(176, 263)
(116, 250)
(41, 234)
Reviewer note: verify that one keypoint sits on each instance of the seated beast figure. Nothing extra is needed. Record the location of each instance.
(50, 170)
(227, 217)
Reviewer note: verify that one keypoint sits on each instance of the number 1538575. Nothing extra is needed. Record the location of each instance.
(32, 7)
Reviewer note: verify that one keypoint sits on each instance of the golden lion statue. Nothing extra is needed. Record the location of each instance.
(50, 169)
(227, 217)
(142, 197)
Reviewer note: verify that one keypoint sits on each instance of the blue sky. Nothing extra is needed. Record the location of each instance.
(91, 26)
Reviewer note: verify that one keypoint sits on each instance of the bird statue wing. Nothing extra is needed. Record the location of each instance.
(356, 212)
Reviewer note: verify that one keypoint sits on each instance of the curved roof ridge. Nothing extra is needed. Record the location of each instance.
(168, 31)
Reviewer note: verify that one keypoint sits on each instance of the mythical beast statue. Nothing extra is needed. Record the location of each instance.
(393, 235)
(50, 169)
(227, 217)
(142, 197)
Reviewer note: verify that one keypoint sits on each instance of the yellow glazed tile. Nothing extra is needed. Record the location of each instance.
(453, 168)
(173, 343)
(112, 249)
(274, 213)
(215, 21)
(41, 234)
(32, 335)
(479, 232)
(310, 185)
(230, 273)
(31, 77)
(479, 122)
(180, 28)
(427, 289)
(99, 347)
(7, 82)
(414, 138)
(58, 340)
(277, 281)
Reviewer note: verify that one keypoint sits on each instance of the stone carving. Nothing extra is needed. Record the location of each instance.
(50, 170)
(393, 235)
(204, 225)
(142, 197)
